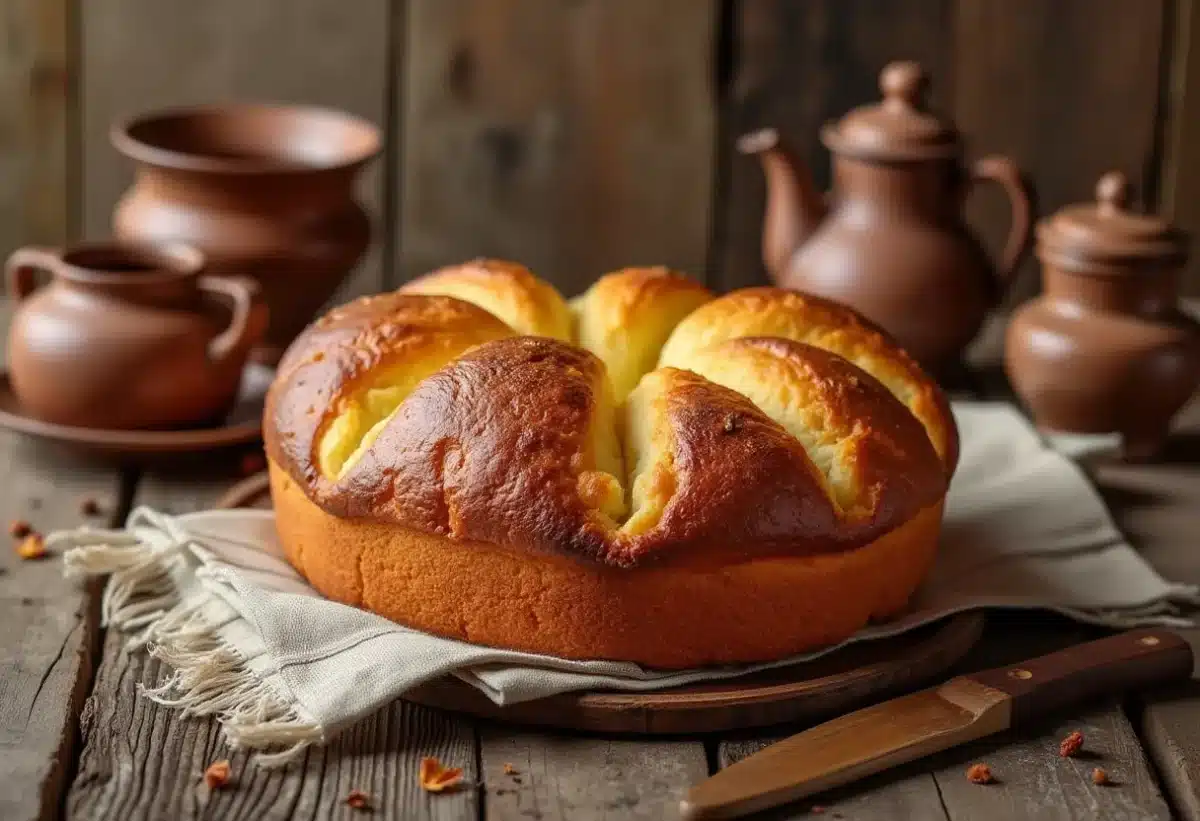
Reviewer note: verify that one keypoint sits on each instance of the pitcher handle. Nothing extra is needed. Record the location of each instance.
(245, 299)
(1004, 171)
(21, 266)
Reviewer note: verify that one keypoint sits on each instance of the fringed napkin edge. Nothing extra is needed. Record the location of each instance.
(146, 564)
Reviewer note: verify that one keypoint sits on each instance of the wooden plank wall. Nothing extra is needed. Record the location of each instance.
(579, 136)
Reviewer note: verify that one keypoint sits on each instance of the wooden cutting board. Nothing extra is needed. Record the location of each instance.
(804, 692)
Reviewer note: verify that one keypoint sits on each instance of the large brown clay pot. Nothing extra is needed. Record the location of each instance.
(264, 191)
(890, 238)
(128, 337)
(1105, 348)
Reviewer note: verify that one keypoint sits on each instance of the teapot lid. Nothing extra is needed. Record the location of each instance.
(1108, 232)
(899, 127)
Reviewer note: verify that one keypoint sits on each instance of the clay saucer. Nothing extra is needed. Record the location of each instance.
(243, 426)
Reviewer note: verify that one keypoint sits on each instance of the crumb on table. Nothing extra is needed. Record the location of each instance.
(980, 774)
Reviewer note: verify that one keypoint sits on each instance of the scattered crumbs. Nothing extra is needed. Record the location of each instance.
(19, 528)
(252, 463)
(35, 504)
(32, 547)
(733, 423)
(837, 814)
(516, 779)
(435, 776)
(1100, 777)
(25, 600)
(217, 774)
(88, 506)
(1070, 745)
(359, 800)
(817, 810)
(3, 570)
(509, 769)
(980, 774)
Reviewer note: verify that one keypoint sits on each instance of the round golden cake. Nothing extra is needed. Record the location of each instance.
(648, 473)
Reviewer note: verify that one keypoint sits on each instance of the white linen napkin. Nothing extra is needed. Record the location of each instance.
(281, 667)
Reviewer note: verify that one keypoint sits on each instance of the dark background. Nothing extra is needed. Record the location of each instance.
(578, 136)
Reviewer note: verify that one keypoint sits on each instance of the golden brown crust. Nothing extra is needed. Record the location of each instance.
(506, 289)
(776, 312)
(768, 463)
(343, 349)
(675, 614)
(626, 316)
(492, 448)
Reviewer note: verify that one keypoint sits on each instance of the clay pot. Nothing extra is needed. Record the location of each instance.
(264, 191)
(1105, 348)
(890, 239)
(128, 336)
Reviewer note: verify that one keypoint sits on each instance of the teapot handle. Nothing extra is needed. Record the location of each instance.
(22, 265)
(1004, 171)
(245, 300)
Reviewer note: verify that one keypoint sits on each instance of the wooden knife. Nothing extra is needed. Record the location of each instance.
(963, 709)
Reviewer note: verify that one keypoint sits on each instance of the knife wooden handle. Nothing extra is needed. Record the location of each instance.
(1107, 666)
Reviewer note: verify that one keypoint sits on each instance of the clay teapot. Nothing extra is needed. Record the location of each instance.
(128, 336)
(265, 191)
(890, 239)
(1105, 348)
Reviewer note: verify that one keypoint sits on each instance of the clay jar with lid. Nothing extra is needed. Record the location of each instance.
(1105, 348)
(890, 238)
(128, 337)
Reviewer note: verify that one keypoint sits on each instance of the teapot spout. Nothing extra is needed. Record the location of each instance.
(794, 206)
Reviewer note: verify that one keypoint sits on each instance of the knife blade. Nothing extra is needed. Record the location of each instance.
(962, 709)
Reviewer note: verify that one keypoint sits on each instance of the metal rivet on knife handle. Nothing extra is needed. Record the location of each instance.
(1020, 673)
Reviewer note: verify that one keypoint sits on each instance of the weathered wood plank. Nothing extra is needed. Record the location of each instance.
(797, 66)
(35, 110)
(1069, 89)
(561, 778)
(1179, 172)
(48, 645)
(1035, 783)
(139, 55)
(144, 761)
(1155, 506)
(575, 137)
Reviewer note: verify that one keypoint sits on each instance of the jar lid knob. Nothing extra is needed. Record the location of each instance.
(903, 82)
(1112, 192)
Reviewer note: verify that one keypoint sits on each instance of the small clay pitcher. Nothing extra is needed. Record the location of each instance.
(1106, 348)
(128, 337)
(890, 238)
(265, 191)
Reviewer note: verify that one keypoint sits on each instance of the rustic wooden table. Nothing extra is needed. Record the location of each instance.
(77, 740)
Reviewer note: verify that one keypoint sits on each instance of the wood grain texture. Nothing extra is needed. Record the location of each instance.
(1179, 171)
(1033, 782)
(1155, 506)
(561, 778)
(48, 643)
(144, 761)
(797, 66)
(140, 55)
(1069, 89)
(575, 137)
(36, 110)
